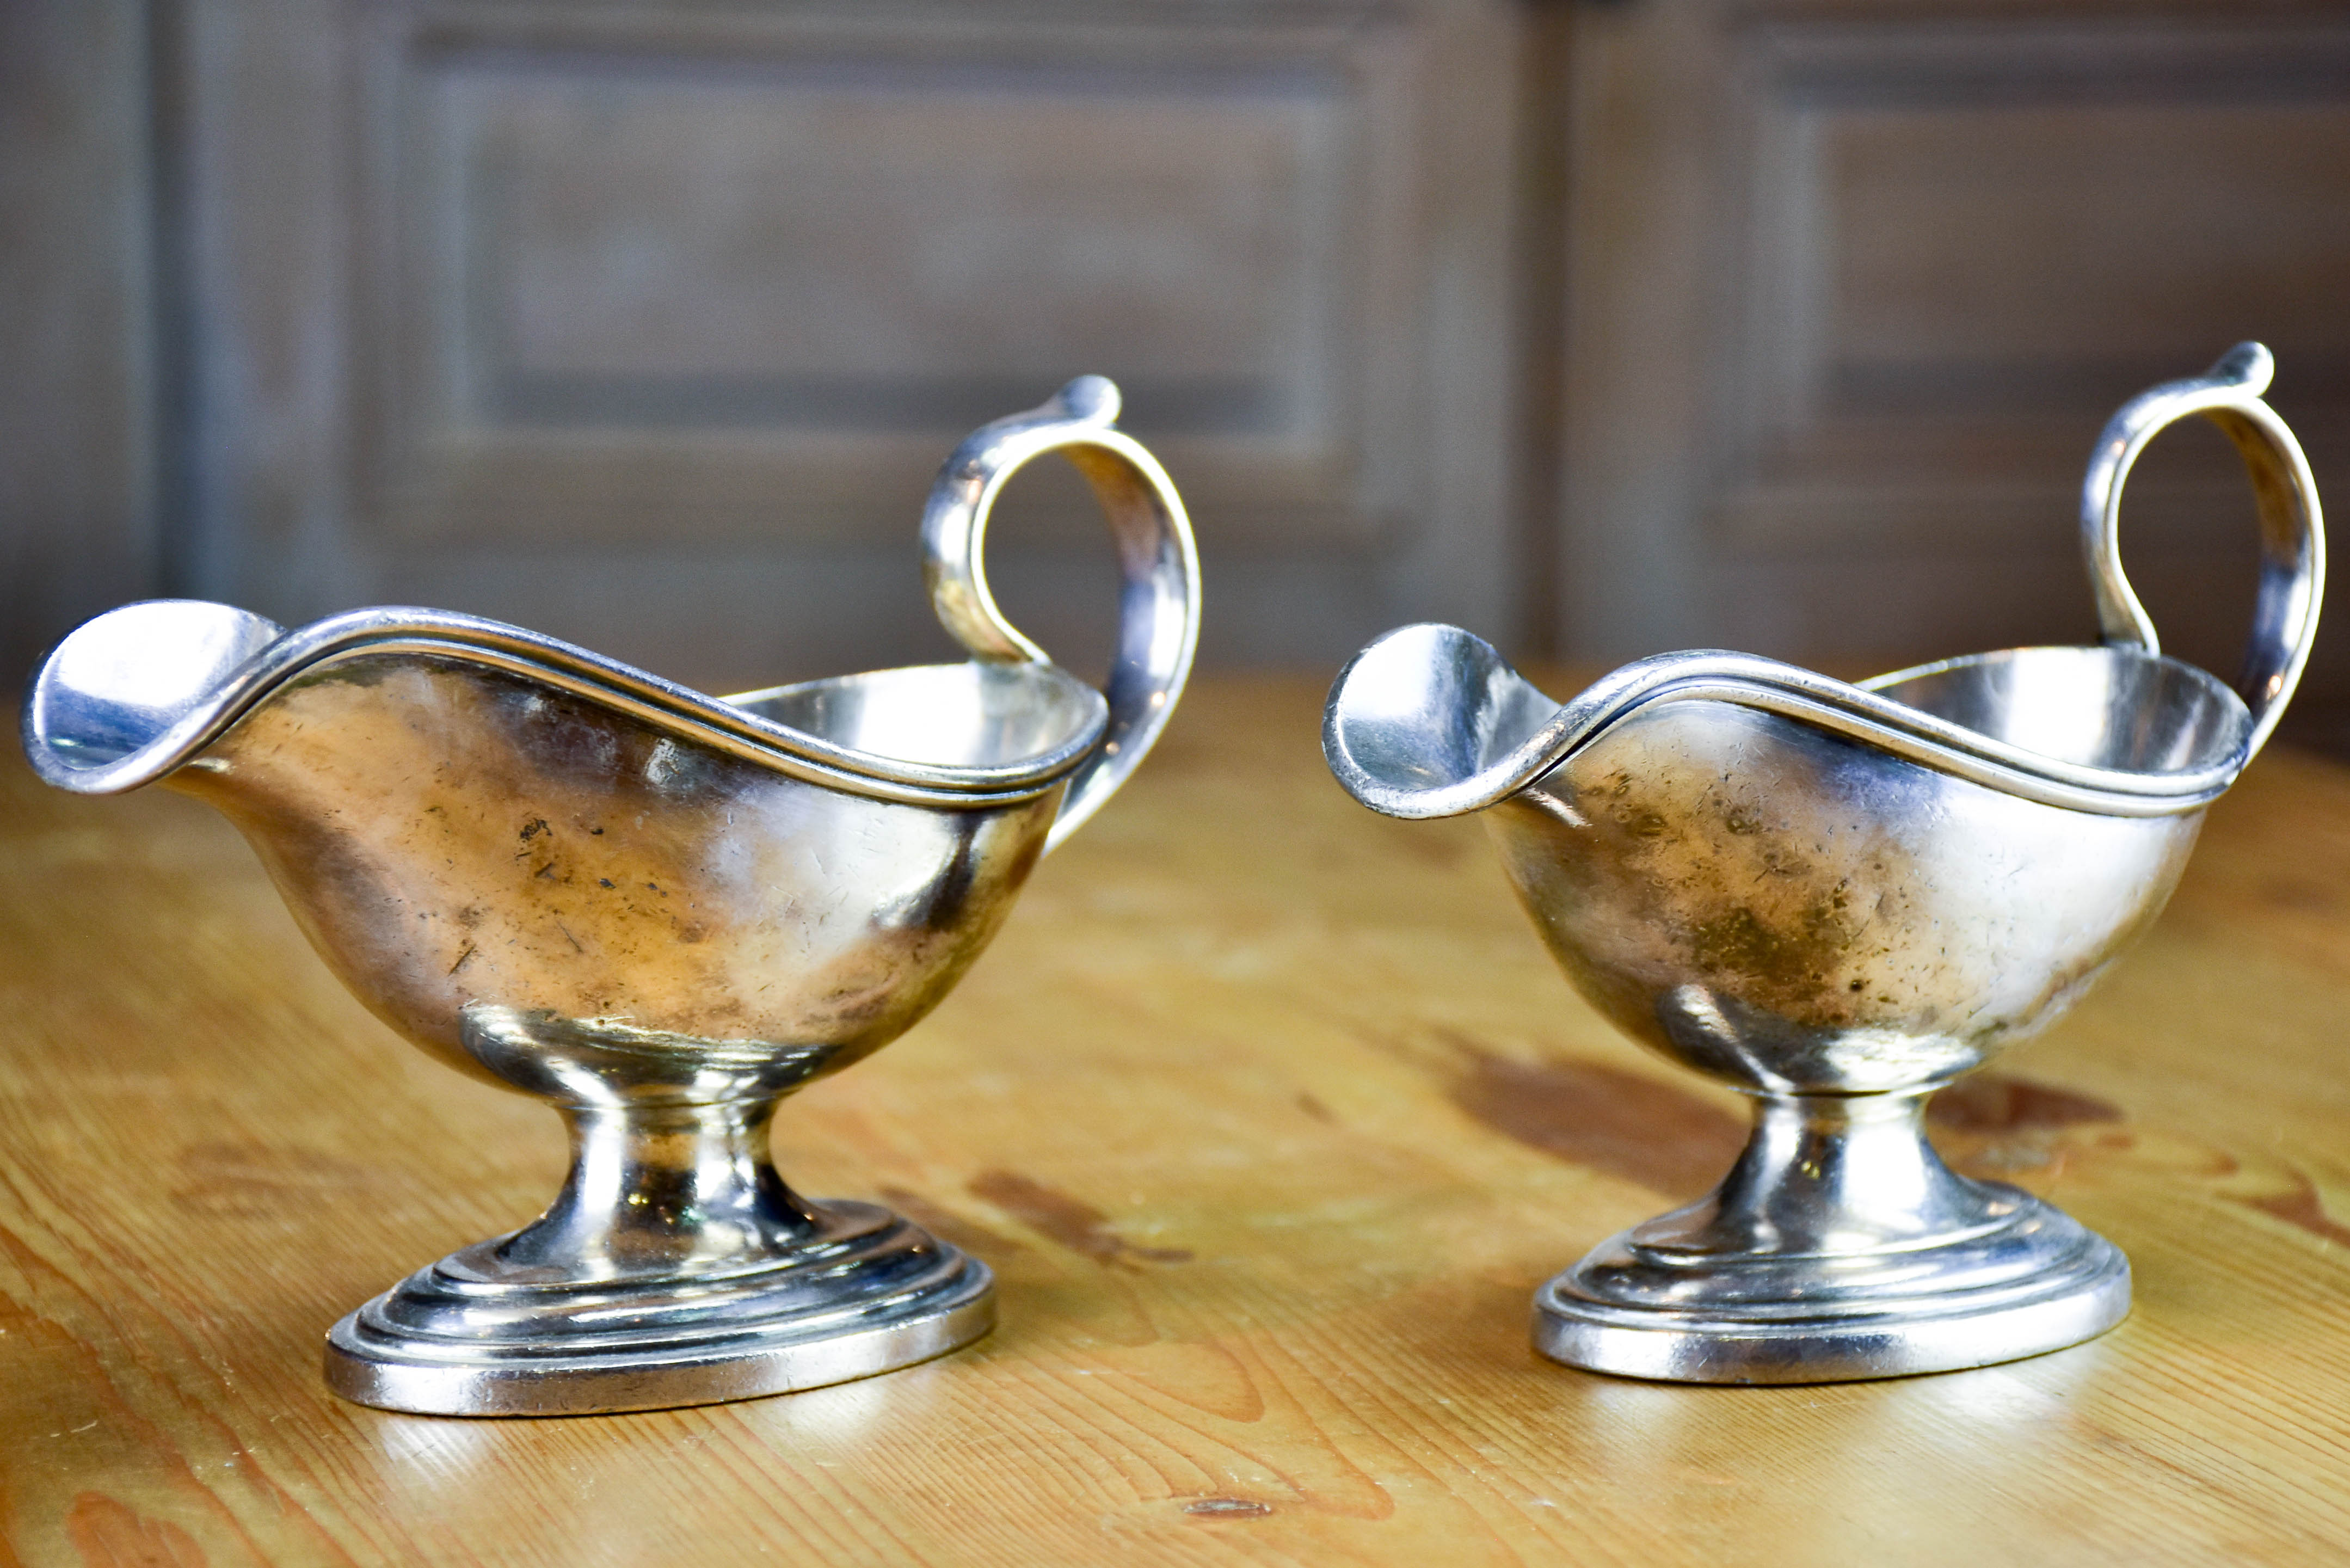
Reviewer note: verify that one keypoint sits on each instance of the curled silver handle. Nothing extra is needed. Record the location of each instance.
(2292, 529)
(1158, 598)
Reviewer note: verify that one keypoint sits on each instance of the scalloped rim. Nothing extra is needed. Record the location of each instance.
(1854, 711)
(664, 704)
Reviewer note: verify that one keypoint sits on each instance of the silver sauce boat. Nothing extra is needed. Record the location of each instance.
(657, 911)
(1838, 898)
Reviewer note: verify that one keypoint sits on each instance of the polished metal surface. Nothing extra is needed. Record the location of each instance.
(1838, 899)
(659, 911)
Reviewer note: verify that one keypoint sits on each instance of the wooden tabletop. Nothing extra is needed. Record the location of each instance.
(1270, 1114)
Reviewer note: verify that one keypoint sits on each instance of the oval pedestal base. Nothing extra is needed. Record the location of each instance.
(868, 1293)
(2037, 1283)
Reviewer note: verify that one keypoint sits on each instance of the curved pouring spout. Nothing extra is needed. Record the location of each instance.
(659, 911)
(1837, 898)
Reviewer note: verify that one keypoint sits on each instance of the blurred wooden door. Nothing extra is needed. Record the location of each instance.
(1853, 284)
(647, 322)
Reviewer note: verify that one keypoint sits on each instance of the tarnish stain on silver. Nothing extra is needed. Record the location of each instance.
(1838, 898)
(658, 910)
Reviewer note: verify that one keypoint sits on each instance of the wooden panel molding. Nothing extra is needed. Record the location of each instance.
(757, 288)
(703, 292)
(1852, 287)
(1964, 245)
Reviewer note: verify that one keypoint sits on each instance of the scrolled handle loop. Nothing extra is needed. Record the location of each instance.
(1159, 565)
(2293, 528)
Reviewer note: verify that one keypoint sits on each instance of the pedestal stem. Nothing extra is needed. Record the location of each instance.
(662, 1189)
(1839, 1246)
(1832, 1174)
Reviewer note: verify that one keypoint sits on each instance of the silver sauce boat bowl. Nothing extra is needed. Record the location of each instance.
(1837, 899)
(659, 911)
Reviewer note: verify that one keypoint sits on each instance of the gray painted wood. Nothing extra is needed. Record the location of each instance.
(648, 324)
(1853, 286)
(1601, 329)
(76, 458)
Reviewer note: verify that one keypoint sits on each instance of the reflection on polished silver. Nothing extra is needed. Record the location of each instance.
(659, 911)
(1838, 899)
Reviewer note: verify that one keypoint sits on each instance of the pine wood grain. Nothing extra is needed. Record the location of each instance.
(1270, 1114)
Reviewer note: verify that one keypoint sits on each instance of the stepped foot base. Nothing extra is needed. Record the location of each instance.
(868, 1293)
(2036, 1283)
